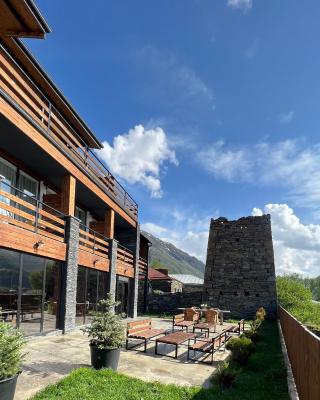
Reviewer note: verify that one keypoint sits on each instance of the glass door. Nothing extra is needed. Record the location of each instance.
(32, 294)
(29, 291)
(122, 296)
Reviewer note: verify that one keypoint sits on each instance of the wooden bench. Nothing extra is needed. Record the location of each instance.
(237, 329)
(142, 330)
(180, 321)
(208, 345)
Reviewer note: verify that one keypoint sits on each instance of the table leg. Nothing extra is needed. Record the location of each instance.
(176, 351)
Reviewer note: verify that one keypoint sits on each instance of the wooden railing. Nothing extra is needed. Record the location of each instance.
(125, 256)
(27, 96)
(93, 242)
(303, 348)
(19, 209)
(143, 265)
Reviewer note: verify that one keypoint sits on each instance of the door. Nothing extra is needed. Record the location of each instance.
(122, 296)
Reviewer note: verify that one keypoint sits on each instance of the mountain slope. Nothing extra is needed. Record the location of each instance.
(166, 255)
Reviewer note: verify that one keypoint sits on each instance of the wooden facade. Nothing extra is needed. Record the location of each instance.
(70, 179)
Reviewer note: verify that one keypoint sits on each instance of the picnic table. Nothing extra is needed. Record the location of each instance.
(176, 339)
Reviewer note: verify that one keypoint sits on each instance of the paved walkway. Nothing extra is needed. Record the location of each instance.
(51, 358)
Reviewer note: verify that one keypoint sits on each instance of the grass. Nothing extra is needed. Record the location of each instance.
(264, 378)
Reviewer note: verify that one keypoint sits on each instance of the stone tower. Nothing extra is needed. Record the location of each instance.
(240, 273)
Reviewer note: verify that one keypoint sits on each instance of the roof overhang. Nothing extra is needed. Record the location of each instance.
(22, 19)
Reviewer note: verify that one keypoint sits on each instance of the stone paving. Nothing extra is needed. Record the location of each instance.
(50, 358)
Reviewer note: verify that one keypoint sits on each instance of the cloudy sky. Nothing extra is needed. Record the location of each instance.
(206, 108)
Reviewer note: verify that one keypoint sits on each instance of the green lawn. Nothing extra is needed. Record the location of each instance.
(264, 378)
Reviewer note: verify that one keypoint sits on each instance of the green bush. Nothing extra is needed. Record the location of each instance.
(106, 329)
(261, 314)
(241, 348)
(225, 375)
(297, 300)
(253, 335)
(11, 346)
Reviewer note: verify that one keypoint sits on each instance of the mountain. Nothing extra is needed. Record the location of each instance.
(166, 255)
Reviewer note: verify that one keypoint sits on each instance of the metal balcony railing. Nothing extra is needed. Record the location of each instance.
(19, 209)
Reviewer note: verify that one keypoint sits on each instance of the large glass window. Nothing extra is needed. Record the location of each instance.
(8, 173)
(29, 291)
(122, 292)
(9, 285)
(28, 185)
(91, 287)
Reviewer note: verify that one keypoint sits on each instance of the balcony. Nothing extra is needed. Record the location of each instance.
(30, 226)
(23, 211)
(20, 91)
(143, 266)
(94, 253)
(125, 262)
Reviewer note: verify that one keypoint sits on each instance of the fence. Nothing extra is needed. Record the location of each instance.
(304, 353)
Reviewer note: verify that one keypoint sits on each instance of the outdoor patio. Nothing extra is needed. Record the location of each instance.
(51, 358)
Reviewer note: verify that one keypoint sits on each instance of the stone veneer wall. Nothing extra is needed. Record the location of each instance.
(240, 272)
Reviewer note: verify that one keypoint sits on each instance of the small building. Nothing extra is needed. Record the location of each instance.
(159, 279)
(189, 283)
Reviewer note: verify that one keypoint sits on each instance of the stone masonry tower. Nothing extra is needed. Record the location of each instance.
(240, 273)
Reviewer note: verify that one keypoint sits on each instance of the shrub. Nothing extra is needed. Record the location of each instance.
(106, 329)
(255, 325)
(11, 346)
(241, 348)
(225, 376)
(253, 335)
(261, 314)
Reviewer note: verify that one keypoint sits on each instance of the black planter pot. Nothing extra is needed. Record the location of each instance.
(8, 388)
(104, 358)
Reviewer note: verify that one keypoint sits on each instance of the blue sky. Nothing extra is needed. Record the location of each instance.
(206, 108)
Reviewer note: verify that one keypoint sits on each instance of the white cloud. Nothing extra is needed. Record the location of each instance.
(154, 229)
(188, 231)
(137, 156)
(171, 79)
(240, 4)
(286, 118)
(193, 243)
(296, 245)
(288, 164)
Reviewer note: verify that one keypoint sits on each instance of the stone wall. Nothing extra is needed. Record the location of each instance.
(240, 272)
(171, 302)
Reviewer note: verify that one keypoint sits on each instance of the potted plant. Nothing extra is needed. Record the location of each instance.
(11, 356)
(106, 334)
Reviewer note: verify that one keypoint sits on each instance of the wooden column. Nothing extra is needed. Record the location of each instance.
(109, 224)
(68, 195)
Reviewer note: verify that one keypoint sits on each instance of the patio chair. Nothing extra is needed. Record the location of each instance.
(189, 318)
(210, 323)
(191, 314)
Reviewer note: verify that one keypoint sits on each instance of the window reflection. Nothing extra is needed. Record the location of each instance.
(29, 291)
(9, 285)
(91, 287)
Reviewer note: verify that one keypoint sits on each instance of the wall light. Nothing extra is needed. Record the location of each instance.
(38, 245)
